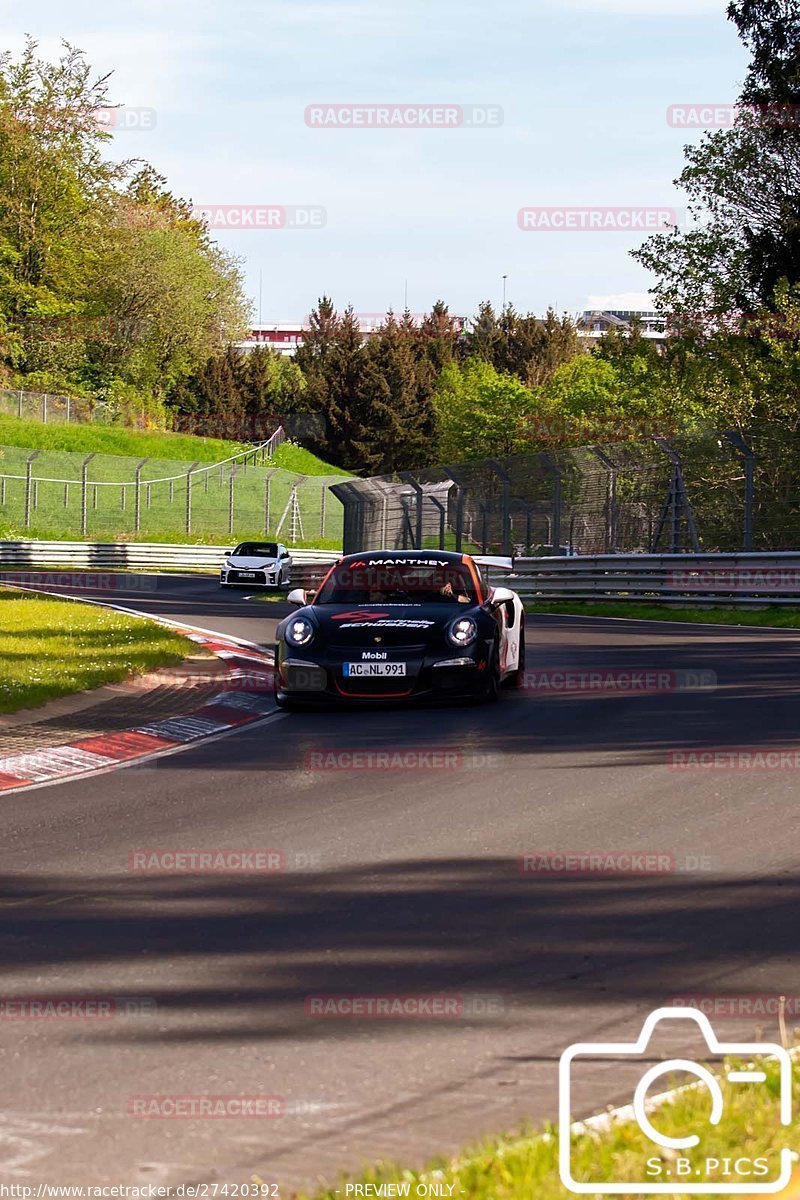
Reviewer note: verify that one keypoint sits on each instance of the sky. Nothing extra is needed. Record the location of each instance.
(573, 95)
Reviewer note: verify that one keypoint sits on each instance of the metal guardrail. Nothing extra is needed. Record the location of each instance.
(729, 579)
(141, 556)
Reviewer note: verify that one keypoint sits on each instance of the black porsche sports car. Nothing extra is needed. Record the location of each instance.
(400, 625)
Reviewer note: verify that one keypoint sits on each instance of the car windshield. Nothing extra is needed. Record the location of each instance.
(399, 583)
(256, 550)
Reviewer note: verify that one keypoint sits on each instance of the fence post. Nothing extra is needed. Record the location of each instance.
(233, 474)
(746, 451)
(19, 403)
(322, 511)
(44, 408)
(611, 522)
(267, 517)
(68, 408)
(458, 480)
(677, 504)
(419, 500)
(555, 528)
(505, 480)
(84, 484)
(189, 496)
(28, 484)
(137, 505)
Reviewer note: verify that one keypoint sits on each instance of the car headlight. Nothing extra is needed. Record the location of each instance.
(463, 631)
(299, 631)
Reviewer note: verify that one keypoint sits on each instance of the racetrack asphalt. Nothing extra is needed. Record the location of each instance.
(397, 883)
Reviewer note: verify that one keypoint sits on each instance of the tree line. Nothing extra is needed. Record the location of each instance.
(110, 289)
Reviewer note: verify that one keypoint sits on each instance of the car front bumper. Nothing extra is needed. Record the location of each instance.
(434, 677)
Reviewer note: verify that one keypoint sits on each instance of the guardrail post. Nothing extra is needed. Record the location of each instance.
(137, 507)
(84, 485)
(322, 499)
(746, 451)
(29, 484)
(189, 496)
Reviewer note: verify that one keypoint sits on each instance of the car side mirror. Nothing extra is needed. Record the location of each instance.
(297, 597)
(228, 553)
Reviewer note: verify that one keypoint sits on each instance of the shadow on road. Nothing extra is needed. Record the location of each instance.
(451, 928)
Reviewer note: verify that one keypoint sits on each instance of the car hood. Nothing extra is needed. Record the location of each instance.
(249, 563)
(393, 624)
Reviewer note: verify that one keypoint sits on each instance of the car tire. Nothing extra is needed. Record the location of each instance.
(491, 689)
(517, 678)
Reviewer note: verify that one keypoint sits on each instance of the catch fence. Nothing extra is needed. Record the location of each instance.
(53, 494)
(709, 492)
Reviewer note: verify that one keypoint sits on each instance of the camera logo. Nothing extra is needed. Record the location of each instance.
(671, 1174)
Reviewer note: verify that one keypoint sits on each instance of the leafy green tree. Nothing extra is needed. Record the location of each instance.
(742, 184)
(482, 413)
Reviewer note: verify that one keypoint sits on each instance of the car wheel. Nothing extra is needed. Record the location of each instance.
(517, 678)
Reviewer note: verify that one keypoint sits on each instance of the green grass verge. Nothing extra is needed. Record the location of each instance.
(526, 1167)
(774, 617)
(53, 647)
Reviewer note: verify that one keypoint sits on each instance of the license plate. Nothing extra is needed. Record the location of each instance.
(368, 668)
(246, 574)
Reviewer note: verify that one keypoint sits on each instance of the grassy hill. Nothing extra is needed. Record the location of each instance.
(260, 494)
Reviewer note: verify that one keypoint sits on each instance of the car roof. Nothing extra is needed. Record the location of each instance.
(417, 556)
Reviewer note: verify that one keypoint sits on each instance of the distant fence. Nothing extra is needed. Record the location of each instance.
(52, 494)
(715, 491)
(54, 409)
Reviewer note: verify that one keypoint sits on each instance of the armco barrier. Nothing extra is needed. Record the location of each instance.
(727, 579)
(308, 565)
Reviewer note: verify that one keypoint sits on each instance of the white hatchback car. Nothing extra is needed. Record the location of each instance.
(256, 564)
